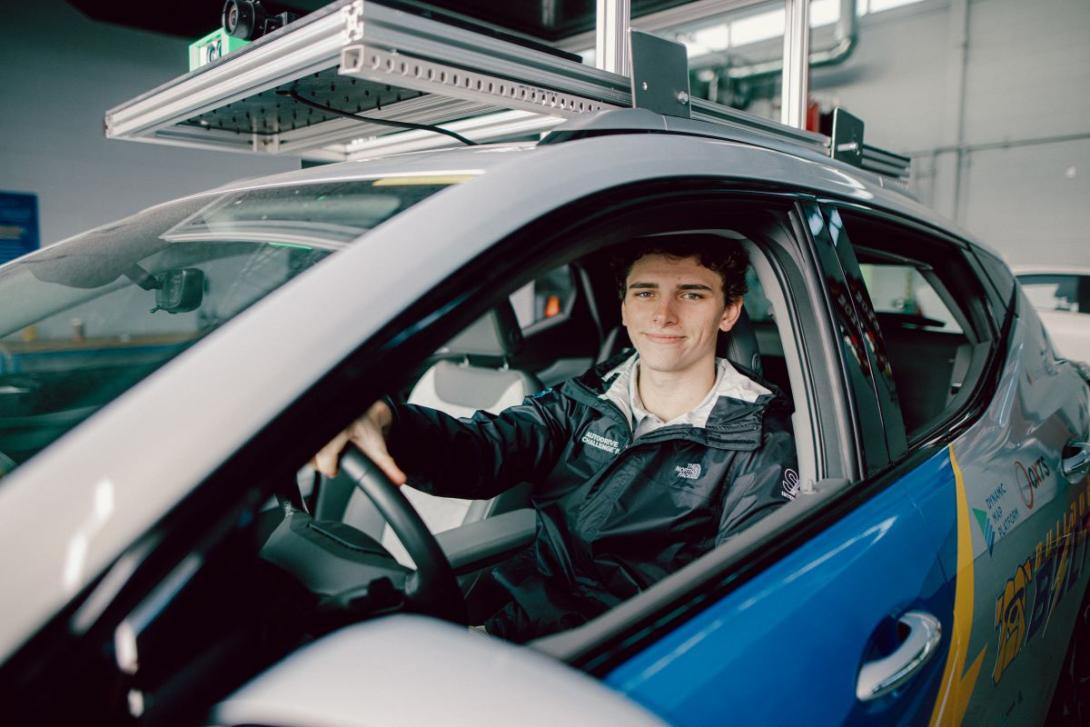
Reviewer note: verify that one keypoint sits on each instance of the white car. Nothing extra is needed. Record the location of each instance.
(165, 376)
(1061, 295)
(164, 381)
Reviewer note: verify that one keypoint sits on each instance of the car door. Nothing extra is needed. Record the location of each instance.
(839, 620)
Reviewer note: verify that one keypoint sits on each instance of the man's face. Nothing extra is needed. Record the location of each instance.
(673, 309)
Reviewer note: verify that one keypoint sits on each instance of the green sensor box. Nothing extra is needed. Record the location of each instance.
(212, 47)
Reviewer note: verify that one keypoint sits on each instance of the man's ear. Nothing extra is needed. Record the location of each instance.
(624, 320)
(730, 315)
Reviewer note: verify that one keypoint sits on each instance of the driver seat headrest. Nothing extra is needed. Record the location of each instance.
(740, 344)
(494, 336)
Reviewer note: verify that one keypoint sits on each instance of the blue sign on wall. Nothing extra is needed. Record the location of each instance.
(18, 225)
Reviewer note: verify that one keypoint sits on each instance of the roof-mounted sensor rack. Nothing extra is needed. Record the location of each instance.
(335, 84)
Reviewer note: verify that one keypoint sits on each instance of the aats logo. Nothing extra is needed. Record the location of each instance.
(1030, 478)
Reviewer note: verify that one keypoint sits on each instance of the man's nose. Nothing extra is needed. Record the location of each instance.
(665, 313)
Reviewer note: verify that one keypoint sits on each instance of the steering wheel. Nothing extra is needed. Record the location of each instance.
(433, 587)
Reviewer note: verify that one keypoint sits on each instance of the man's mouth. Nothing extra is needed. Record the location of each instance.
(664, 338)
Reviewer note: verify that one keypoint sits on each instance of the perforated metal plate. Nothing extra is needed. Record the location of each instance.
(271, 112)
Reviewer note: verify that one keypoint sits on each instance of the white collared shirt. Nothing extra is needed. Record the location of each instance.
(728, 382)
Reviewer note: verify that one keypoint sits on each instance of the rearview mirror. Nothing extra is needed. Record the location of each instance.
(179, 291)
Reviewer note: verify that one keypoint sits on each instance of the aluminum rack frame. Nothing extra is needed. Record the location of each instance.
(368, 59)
(354, 54)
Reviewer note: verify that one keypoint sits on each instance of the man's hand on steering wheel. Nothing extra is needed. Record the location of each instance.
(433, 588)
(369, 434)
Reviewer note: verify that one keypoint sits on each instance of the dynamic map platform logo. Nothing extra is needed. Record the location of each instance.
(1003, 509)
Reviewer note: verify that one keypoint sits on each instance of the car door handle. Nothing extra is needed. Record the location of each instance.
(1076, 461)
(880, 677)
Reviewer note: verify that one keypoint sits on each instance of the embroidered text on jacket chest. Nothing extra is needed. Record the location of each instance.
(603, 443)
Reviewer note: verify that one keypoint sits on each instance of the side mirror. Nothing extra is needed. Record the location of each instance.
(179, 291)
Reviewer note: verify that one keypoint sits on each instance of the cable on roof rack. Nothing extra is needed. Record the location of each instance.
(293, 95)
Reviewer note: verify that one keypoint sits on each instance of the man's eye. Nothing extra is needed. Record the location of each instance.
(693, 296)
(643, 294)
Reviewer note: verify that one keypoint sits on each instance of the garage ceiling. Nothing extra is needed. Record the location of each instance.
(548, 20)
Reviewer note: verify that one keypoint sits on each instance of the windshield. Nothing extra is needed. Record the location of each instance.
(84, 320)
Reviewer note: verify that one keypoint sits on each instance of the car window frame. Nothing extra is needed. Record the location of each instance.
(960, 411)
(627, 628)
(880, 438)
(429, 321)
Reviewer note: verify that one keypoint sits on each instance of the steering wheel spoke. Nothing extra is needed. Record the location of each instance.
(433, 588)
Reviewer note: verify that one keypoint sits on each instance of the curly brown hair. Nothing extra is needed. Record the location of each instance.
(721, 255)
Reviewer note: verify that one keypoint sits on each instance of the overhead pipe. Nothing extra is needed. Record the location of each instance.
(846, 34)
(795, 93)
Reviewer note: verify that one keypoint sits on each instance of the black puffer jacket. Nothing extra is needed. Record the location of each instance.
(614, 515)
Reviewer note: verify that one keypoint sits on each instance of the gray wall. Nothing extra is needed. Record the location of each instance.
(991, 98)
(59, 73)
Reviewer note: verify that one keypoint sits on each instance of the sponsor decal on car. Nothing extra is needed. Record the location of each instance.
(1001, 512)
(1028, 599)
(1003, 509)
(1030, 479)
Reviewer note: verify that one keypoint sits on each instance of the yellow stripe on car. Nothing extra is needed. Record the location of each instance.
(957, 684)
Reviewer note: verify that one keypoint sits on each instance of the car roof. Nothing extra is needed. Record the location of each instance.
(882, 192)
(463, 160)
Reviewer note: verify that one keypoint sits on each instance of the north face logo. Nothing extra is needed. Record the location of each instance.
(791, 484)
(688, 472)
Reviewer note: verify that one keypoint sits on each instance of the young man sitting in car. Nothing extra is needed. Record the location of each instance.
(639, 466)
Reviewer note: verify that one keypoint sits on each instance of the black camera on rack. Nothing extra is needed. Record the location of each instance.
(251, 19)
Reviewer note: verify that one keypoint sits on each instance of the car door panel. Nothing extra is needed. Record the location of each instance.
(787, 646)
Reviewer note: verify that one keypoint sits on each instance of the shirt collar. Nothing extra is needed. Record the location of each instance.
(729, 382)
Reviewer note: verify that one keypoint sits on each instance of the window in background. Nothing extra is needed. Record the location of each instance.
(1069, 293)
(547, 297)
